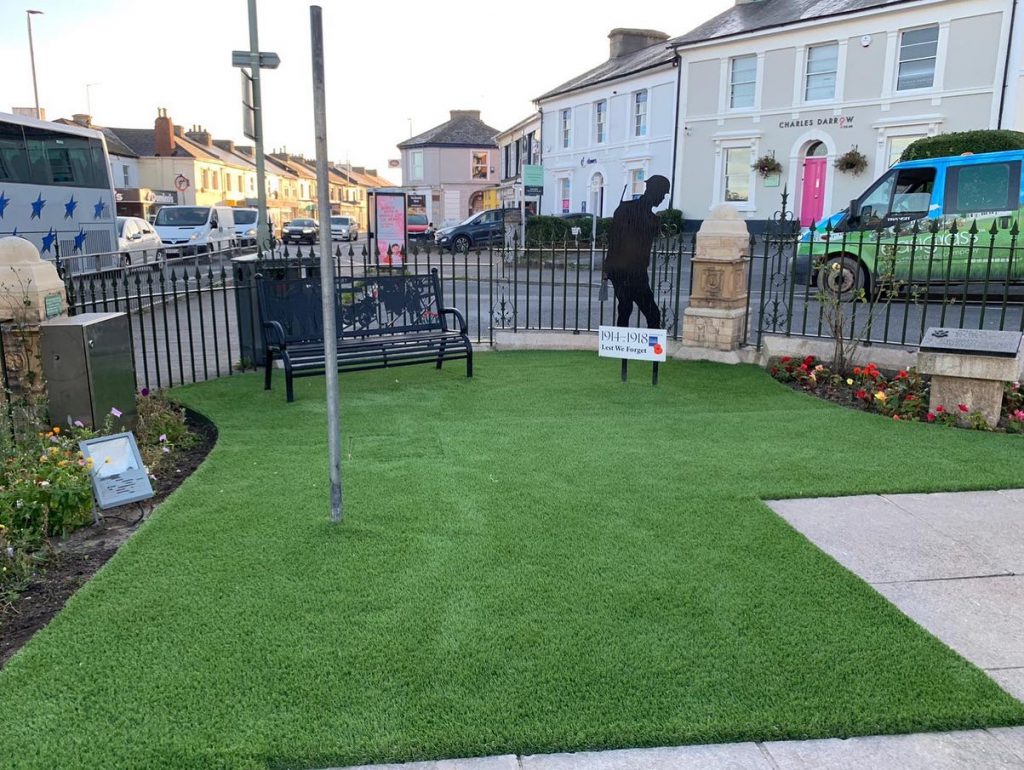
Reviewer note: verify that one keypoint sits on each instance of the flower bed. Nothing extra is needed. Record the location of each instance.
(901, 395)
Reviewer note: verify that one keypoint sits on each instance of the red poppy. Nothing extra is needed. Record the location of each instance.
(861, 394)
(930, 417)
(785, 359)
(809, 361)
(902, 375)
(940, 409)
(962, 407)
(856, 370)
(658, 349)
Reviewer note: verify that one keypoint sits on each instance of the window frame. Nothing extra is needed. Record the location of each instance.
(900, 61)
(833, 44)
(600, 121)
(475, 165)
(726, 151)
(733, 83)
(565, 194)
(639, 116)
(565, 118)
(415, 165)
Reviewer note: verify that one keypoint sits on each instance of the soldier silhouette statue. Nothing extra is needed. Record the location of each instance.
(634, 226)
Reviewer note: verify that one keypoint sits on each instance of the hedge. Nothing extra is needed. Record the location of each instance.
(959, 142)
(554, 229)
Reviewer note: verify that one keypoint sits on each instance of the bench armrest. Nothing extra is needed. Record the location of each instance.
(458, 317)
(275, 334)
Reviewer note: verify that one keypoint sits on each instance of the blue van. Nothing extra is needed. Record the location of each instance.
(943, 197)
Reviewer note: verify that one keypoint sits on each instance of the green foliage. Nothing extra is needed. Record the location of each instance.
(160, 429)
(550, 229)
(959, 142)
(671, 221)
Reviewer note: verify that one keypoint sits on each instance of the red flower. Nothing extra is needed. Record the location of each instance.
(803, 367)
(902, 375)
(962, 407)
(856, 370)
(785, 360)
(774, 371)
(809, 361)
(911, 397)
(940, 409)
(931, 416)
(861, 394)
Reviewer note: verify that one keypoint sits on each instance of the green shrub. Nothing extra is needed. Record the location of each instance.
(959, 142)
(671, 221)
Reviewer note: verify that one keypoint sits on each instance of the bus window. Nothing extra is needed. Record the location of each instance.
(13, 162)
(64, 159)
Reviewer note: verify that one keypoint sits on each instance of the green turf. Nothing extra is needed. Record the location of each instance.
(539, 559)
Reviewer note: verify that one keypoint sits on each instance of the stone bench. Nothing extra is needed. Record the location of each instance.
(970, 366)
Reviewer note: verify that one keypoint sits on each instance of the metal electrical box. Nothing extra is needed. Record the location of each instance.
(87, 363)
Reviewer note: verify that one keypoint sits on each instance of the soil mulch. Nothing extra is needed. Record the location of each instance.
(75, 559)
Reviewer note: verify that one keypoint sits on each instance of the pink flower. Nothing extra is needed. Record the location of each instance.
(163, 437)
(115, 411)
(78, 424)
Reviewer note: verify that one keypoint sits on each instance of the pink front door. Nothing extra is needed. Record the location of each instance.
(812, 203)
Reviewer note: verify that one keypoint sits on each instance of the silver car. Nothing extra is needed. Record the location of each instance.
(344, 228)
(138, 243)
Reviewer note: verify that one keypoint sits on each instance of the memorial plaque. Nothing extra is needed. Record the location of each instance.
(978, 342)
(118, 474)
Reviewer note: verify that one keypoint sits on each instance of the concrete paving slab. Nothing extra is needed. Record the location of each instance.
(974, 749)
(991, 523)
(982, 619)
(1015, 494)
(880, 541)
(1011, 737)
(1010, 679)
(723, 756)
(505, 762)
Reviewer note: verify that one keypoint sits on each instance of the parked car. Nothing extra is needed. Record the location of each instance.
(138, 242)
(301, 231)
(344, 228)
(485, 228)
(417, 226)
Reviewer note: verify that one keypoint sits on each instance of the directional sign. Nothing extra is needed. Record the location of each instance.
(268, 59)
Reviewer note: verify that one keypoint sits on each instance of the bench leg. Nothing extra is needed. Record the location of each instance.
(268, 372)
(288, 386)
(469, 361)
(440, 355)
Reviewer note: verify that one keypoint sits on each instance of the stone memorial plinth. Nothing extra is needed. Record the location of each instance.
(969, 366)
(716, 316)
(30, 292)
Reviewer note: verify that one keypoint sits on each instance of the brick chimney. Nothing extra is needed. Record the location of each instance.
(627, 41)
(200, 135)
(82, 119)
(164, 132)
(474, 114)
(228, 145)
(246, 149)
(371, 172)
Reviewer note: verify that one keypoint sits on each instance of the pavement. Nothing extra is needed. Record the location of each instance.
(953, 562)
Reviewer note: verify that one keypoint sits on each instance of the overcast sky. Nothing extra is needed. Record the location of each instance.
(387, 62)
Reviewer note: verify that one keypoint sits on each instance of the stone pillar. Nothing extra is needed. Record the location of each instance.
(716, 316)
(30, 292)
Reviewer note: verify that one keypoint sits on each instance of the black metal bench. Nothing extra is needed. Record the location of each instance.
(381, 321)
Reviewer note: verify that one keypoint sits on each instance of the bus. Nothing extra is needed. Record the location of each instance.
(55, 187)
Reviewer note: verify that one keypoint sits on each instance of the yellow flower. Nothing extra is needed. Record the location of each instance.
(53, 450)
(56, 429)
(849, 381)
(880, 395)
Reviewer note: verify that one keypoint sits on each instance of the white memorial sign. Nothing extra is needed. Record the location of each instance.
(636, 344)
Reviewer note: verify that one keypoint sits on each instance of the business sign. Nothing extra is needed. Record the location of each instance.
(394, 163)
(118, 474)
(416, 201)
(389, 228)
(635, 344)
(533, 180)
(841, 121)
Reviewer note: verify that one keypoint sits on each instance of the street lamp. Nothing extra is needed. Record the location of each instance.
(32, 55)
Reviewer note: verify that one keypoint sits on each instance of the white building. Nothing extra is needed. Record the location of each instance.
(806, 81)
(612, 127)
(518, 146)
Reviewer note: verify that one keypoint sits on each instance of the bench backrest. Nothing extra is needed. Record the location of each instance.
(365, 306)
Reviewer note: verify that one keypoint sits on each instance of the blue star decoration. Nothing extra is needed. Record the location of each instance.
(37, 207)
(98, 209)
(48, 240)
(80, 239)
(3, 204)
(69, 208)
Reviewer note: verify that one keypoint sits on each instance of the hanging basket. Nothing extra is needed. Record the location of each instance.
(766, 165)
(852, 161)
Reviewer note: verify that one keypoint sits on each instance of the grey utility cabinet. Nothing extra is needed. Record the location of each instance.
(87, 362)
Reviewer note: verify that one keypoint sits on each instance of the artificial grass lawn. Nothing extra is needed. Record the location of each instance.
(538, 559)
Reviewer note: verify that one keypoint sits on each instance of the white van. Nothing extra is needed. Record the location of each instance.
(188, 230)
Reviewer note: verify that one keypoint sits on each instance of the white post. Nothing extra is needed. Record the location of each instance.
(262, 230)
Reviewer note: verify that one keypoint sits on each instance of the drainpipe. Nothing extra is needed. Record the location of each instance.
(1006, 64)
(675, 134)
